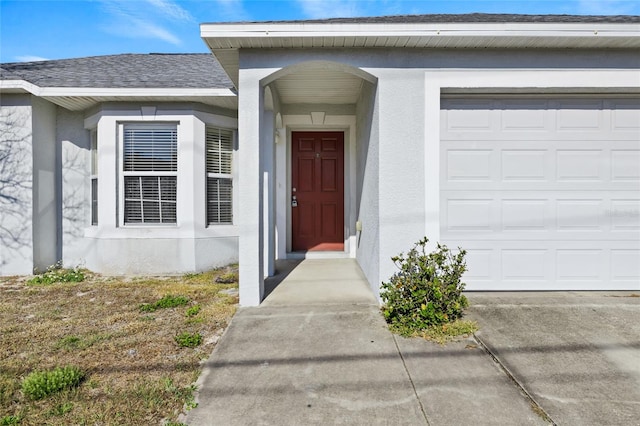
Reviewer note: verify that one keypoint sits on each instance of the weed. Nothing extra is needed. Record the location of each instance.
(61, 409)
(444, 333)
(195, 320)
(10, 420)
(190, 276)
(186, 394)
(168, 301)
(69, 343)
(57, 274)
(189, 340)
(228, 278)
(189, 397)
(193, 310)
(41, 384)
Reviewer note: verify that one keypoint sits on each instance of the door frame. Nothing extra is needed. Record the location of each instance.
(303, 123)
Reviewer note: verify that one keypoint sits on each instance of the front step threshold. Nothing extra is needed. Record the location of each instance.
(317, 255)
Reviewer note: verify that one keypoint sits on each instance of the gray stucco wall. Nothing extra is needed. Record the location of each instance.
(16, 180)
(391, 132)
(401, 170)
(74, 150)
(45, 186)
(367, 197)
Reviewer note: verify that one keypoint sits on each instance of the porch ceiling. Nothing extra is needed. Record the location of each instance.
(319, 86)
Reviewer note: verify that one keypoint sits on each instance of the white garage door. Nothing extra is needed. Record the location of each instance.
(544, 193)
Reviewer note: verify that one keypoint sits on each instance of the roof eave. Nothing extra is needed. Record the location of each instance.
(17, 86)
(223, 39)
(80, 98)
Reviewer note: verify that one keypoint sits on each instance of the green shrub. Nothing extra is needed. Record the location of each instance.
(57, 274)
(188, 340)
(427, 289)
(40, 384)
(193, 311)
(168, 301)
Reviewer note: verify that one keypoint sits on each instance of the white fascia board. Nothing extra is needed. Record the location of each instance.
(110, 92)
(129, 92)
(231, 35)
(18, 85)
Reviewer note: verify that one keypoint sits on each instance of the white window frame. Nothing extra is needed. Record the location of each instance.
(216, 175)
(122, 173)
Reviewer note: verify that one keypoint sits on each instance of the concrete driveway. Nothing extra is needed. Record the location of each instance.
(577, 354)
(317, 352)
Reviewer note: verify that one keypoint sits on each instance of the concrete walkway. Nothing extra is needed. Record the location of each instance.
(317, 352)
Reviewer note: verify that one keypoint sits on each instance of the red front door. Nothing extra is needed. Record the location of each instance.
(317, 190)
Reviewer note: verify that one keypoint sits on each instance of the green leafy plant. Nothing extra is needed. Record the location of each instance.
(41, 384)
(427, 289)
(69, 343)
(193, 311)
(189, 340)
(10, 420)
(168, 301)
(57, 274)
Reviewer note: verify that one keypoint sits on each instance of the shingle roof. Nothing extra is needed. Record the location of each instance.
(469, 18)
(197, 70)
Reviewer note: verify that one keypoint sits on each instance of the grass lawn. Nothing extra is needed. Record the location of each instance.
(122, 333)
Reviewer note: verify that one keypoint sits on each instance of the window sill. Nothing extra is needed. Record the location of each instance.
(160, 232)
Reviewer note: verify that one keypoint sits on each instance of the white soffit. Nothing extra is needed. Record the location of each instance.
(225, 39)
(80, 98)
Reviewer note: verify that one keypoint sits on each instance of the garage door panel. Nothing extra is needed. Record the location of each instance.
(469, 165)
(540, 215)
(544, 194)
(535, 119)
(625, 116)
(625, 215)
(625, 264)
(570, 265)
(525, 165)
(578, 165)
(625, 165)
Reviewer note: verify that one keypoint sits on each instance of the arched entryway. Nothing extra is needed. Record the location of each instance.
(313, 126)
(316, 191)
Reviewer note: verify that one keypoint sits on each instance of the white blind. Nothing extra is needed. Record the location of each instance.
(219, 150)
(219, 201)
(150, 149)
(219, 178)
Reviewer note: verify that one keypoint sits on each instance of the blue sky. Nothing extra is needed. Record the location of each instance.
(54, 29)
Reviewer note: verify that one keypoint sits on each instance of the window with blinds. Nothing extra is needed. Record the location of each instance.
(219, 156)
(150, 165)
(94, 177)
